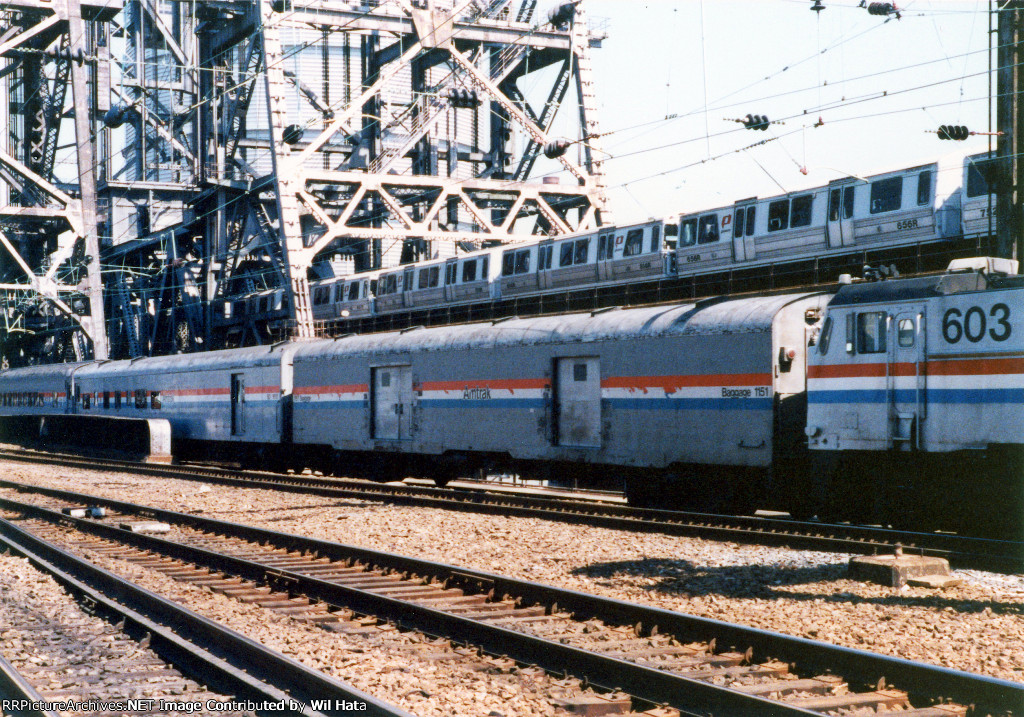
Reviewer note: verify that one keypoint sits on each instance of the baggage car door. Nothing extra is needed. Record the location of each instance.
(392, 402)
(578, 401)
(906, 385)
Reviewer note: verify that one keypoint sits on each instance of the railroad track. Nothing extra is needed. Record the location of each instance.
(129, 651)
(641, 658)
(961, 551)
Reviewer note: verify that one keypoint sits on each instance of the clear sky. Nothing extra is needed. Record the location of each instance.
(876, 85)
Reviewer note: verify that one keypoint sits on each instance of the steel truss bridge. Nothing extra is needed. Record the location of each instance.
(164, 158)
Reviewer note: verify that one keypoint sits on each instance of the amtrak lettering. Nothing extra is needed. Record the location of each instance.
(476, 393)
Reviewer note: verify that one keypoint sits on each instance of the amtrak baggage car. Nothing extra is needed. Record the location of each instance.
(601, 396)
(923, 379)
(220, 399)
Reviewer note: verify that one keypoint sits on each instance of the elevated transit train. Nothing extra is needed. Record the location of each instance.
(939, 203)
(881, 401)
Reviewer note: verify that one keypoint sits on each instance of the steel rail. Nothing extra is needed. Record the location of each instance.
(987, 693)
(16, 689)
(965, 551)
(215, 655)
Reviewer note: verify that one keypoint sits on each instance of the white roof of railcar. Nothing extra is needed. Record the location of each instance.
(745, 315)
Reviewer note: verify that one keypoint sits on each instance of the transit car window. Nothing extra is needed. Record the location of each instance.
(106, 399)
(544, 255)
(155, 401)
(924, 187)
(435, 276)
(469, 270)
(886, 195)
(580, 252)
(751, 214)
(833, 205)
(117, 399)
(847, 202)
(801, 213)
(738, 223)
(86, 400)
(353, 291)
(508, 263)
(603, 247)
(450, 273)
(565, 254)
(483, 267)
(905, 333)
(977, 171)
(140, 398)
(634, 242)
(778, 215)
(871, 332)
(688, 232)
(655, 238)
(708, 229)
(579, 372)
(522, 261)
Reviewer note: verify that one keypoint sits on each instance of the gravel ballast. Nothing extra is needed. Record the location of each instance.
(977, 626)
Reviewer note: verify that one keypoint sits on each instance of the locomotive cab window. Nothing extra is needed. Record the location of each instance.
(826, 337)
(778, 215)
(886, 195)
(871, 328)
(353, 291)
(905, 333)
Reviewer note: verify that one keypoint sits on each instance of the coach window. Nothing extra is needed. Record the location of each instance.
(924, 187)
(117, 399)
(778, 215)
(905, 333)
(801, 214)
(106, 399)
(886, 195)
(871, 332)
(634, 243)
(155, 401)
(469, 271)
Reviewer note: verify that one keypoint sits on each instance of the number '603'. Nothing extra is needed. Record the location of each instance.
(973, 324)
